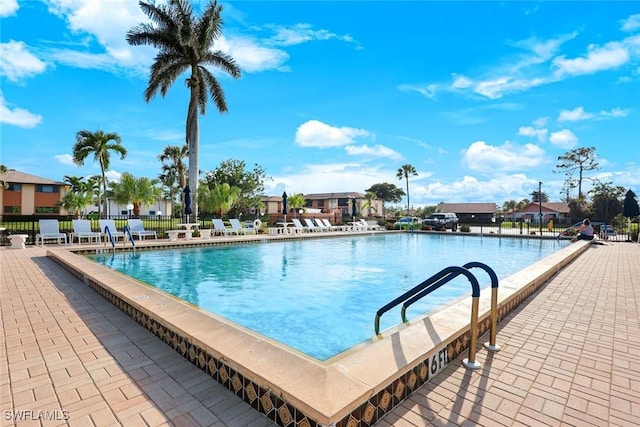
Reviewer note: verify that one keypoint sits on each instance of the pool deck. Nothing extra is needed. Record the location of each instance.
(570, 356)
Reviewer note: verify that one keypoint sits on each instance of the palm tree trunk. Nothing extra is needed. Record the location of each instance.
(193, 142)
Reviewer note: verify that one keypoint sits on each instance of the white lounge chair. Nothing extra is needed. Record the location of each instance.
(311, 226)
(82, 230)
(297, 226)
(112, 230)
(49, 230)
(330, 226)
(369, 226)
(137, 229)
(321, 225)
(237, 226)
(221, 229)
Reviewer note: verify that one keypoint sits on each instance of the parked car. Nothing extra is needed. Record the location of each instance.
(407, 223)
(442, 221)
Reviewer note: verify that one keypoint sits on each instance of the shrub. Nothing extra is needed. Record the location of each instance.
(465, 228)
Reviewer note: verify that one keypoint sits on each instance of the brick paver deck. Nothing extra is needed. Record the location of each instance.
(570, 356)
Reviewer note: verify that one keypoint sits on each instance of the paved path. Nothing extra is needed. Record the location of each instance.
(570, 356)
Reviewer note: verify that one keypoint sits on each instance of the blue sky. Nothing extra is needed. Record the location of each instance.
(480, 97)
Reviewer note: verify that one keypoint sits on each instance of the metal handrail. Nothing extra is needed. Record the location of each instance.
(111, 239)
(439, 279)
(127, 230)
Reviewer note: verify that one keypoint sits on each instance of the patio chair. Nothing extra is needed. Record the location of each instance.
(236, 225)
(136, 228)
(369, 226)
(49, 230)
(311, 226)
(221, 229)
(321, 225)
(330, 226)
(110, 225)
(82, 230)
(298, 227)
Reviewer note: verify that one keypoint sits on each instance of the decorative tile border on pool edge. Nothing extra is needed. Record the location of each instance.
(276, 408)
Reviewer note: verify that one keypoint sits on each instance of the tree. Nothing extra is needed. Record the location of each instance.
(78, 197)
(386, 192)
(218, 199)
(249, 183)
(537, 197)
(174, 172)
(630, 207)
(580, 160)
(137, 191)
(605, 201)
(403, 173)
(185, 43)
(100, 144)
(369, 205)
(3, 170)
(296, 202)
(510, 205)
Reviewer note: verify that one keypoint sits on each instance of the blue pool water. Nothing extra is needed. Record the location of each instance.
(320, 295)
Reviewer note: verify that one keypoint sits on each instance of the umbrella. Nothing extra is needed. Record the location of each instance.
(187, 201)
(284, 203)
(354, 209)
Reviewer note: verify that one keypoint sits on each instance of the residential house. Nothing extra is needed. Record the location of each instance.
(27, 194)
(556, 212)
(471, 213)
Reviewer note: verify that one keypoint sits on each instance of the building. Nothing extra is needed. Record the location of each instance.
(473, 213)
(556, 212)
(26, 194)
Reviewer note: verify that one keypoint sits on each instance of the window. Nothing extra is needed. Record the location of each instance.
(12, 209)
(47, 188)
(47, 209)
(12, 186)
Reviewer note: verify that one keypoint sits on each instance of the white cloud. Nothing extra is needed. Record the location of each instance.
(616, 112)
(598, 58)
(17, 63)
(8, 8)
(564, 139)
(113, 176)
(632, 23)
(508, 157)
(317, 134)
(251, 56)
(575, 115)
(302, 33)
(539, 133)
(17, 116)
(65, 159)
(374, 151)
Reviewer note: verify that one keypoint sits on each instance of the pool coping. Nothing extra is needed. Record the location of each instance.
(358, 386)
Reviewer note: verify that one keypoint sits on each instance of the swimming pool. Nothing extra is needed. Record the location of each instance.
(320, 296)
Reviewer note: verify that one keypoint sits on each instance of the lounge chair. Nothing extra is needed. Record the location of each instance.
(221, 229)
(49, 230)
(137, 229)
(82, 230)
(335, 227)
(369, 226)
(311, 226)
(237, 226)
(297, 226)
(112, 230)
(321, 225)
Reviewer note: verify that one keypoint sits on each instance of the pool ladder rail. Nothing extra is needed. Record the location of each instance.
(436, 281)
(127, 232)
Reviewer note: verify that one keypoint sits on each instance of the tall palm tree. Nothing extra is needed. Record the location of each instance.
(368, 205)
(100, 144)
(174, 171)
(185, 43)
(403, 173)
(510, 205)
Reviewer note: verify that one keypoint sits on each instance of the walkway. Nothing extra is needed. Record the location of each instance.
(570, 356)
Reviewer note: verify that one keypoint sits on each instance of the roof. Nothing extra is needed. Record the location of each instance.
(547, 207)
(324, 196)
(470, 208)
(18, 177)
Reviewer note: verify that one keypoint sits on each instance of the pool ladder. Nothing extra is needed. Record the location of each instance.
(127, 231)
(436, 281)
